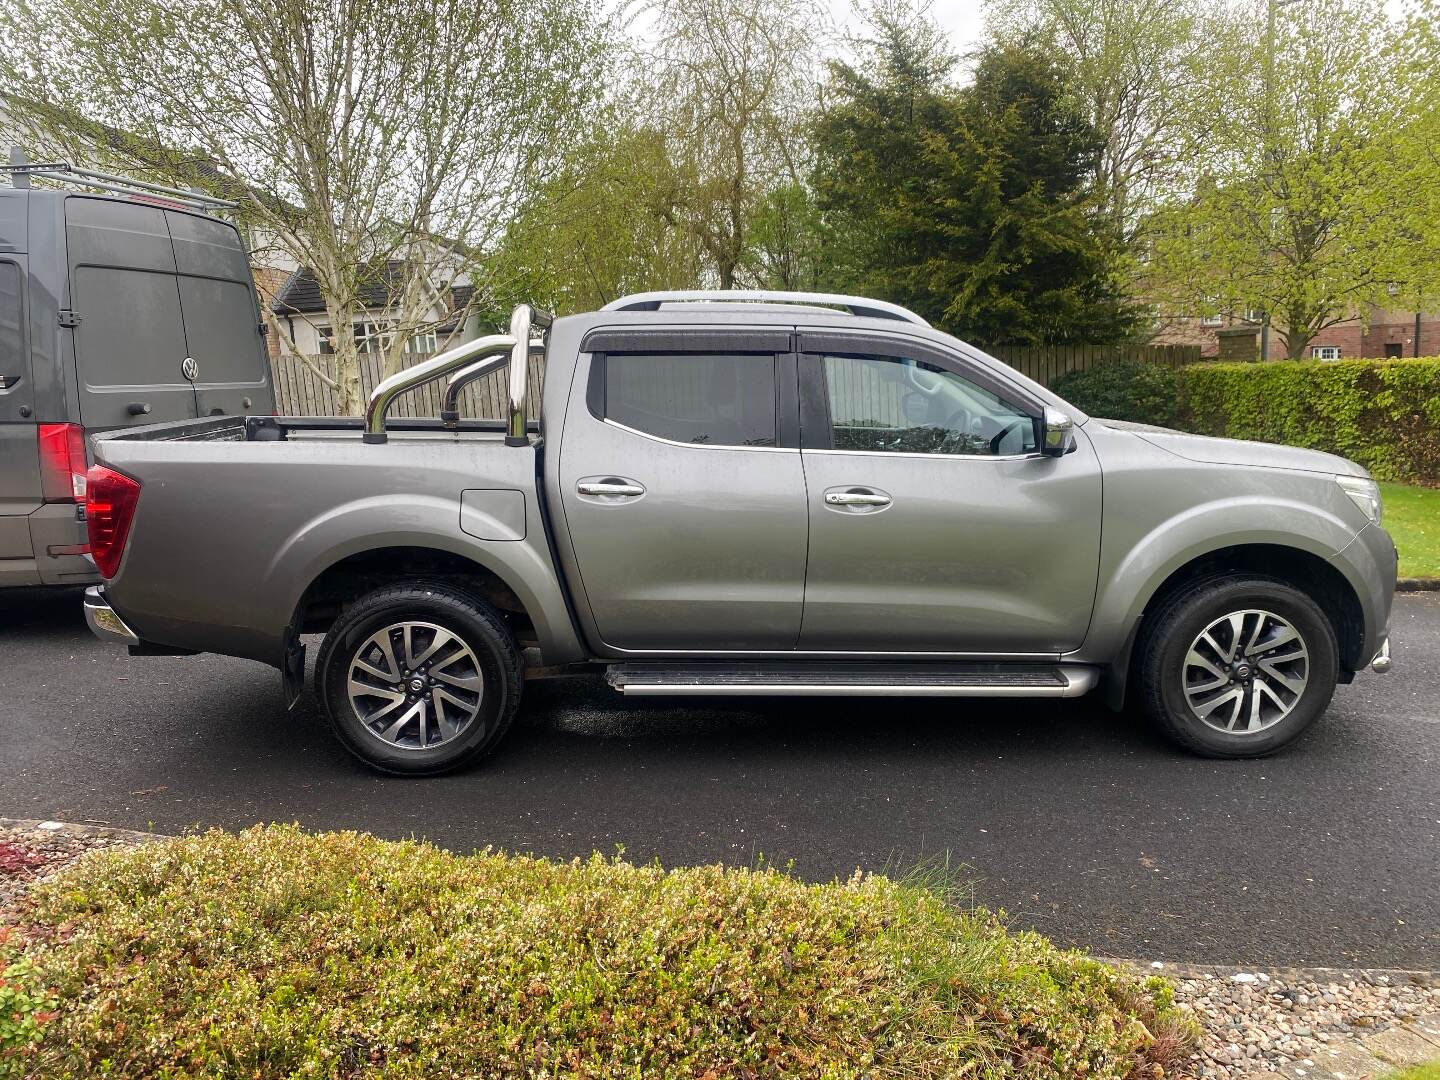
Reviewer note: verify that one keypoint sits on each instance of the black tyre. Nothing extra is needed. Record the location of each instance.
(419, 679)
(1237, 666)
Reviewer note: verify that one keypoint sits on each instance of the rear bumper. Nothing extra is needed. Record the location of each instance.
(103, 621)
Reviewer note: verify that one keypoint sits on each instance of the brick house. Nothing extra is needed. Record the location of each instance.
(1385, 333)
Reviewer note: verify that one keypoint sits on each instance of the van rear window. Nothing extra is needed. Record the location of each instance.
(11, 339)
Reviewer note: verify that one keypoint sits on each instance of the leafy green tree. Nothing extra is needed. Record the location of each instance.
(1134, 68)
(595, 231)
(1317, 194)
(969, 205)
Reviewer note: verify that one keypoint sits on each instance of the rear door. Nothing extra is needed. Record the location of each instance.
(19, 455)
(129, 335)
(935, 523)
(221, 319)
(683, 495)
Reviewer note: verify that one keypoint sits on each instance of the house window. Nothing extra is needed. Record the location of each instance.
(1325, 352)
(372, 337)
(1392, 350)
(327, 340)
(1254, 315)
(423, 343)
(1211, 320)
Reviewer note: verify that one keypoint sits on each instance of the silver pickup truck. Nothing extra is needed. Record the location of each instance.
(743, 493)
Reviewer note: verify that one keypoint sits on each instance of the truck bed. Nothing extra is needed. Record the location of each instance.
(238, 517)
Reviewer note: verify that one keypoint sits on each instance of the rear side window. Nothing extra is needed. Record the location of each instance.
(11, 339)
(706, 398)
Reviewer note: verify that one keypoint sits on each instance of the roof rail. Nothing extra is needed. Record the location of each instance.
(63, 172)
(855, 305)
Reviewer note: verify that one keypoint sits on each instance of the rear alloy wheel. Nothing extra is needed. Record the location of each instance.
(1237, 666)
(419, 679)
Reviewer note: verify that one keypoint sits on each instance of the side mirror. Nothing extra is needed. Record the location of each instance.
(1057, 435)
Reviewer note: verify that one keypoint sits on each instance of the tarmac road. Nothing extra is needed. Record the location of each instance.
(1081, 824)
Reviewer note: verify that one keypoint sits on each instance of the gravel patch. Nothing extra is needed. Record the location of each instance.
(1263, 1022)
(33, 851)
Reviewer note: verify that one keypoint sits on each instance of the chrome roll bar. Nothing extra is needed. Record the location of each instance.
(450, 406)
(521, 320)
(435, 368)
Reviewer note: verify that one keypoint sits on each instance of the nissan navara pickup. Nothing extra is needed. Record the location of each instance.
(743, 493)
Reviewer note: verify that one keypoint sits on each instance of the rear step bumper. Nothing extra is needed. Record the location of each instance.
(841, 679)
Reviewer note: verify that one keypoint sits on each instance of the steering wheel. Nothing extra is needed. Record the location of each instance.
(1006, 430)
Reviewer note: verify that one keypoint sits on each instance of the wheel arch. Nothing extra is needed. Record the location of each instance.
(1312, 573)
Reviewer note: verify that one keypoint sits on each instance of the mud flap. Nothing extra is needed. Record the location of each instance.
(292, 671)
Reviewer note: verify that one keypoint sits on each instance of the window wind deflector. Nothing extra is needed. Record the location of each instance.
(673, 340)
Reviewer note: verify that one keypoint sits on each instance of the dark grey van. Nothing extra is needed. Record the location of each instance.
(116, 310)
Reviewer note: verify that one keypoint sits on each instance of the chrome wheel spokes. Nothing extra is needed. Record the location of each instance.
(415, 685)
(1245, 671)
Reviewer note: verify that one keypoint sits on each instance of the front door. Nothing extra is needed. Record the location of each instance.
(935, 523)
(685, 509)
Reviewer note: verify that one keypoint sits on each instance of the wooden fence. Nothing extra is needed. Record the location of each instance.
(1045, 363)
(299, 391)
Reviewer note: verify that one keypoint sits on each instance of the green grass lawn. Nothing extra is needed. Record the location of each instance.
(1430, 1071)
(1412, 514)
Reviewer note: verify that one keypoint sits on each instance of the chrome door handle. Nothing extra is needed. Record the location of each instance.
(855, 498)
(608, 488)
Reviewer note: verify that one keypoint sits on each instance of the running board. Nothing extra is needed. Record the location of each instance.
(851, 679)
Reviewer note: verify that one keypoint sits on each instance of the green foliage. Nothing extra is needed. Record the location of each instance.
(25, 1007)
(969, 205)
(1145, 393)
(275, 953)
(1314, 192)
(1384, 414)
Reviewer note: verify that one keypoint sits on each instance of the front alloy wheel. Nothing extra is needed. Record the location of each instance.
(1246, 671)
(1236, 665)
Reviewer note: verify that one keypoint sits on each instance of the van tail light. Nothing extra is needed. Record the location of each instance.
(110, 500)
(62, 462)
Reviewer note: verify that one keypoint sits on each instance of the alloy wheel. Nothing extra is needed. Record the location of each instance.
(1245, 672)
(415, 685)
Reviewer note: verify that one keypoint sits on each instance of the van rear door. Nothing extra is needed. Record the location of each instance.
(222, 321)
(19, 452)
(129, 333)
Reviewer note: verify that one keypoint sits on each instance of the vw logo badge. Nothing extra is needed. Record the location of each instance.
(190, 369)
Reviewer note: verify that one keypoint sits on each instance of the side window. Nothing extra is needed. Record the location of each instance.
(11, 339)
(892, 404)
(717, 400)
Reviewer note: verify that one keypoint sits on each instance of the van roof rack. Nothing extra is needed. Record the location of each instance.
(20, 171)
(855, 305)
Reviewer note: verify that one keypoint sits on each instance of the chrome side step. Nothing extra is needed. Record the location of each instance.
(847, 679)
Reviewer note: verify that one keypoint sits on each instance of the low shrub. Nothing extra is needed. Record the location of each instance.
(25, 1007)
(1146, 393)
(1384, 414)
(276, 953)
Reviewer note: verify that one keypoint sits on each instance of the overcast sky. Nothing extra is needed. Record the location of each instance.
(961, 19)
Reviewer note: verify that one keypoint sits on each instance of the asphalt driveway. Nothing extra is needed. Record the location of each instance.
(1081, 824)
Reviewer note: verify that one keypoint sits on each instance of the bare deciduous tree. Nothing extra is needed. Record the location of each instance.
(365, 137)
(729, 82)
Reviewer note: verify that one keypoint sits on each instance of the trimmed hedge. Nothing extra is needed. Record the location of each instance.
(1384, 414)
(276, 953)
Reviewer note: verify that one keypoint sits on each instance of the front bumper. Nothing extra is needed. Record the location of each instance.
(104, 623)
(1381, 663)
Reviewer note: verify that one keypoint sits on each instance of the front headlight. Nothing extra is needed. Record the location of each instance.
(1364, 493)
